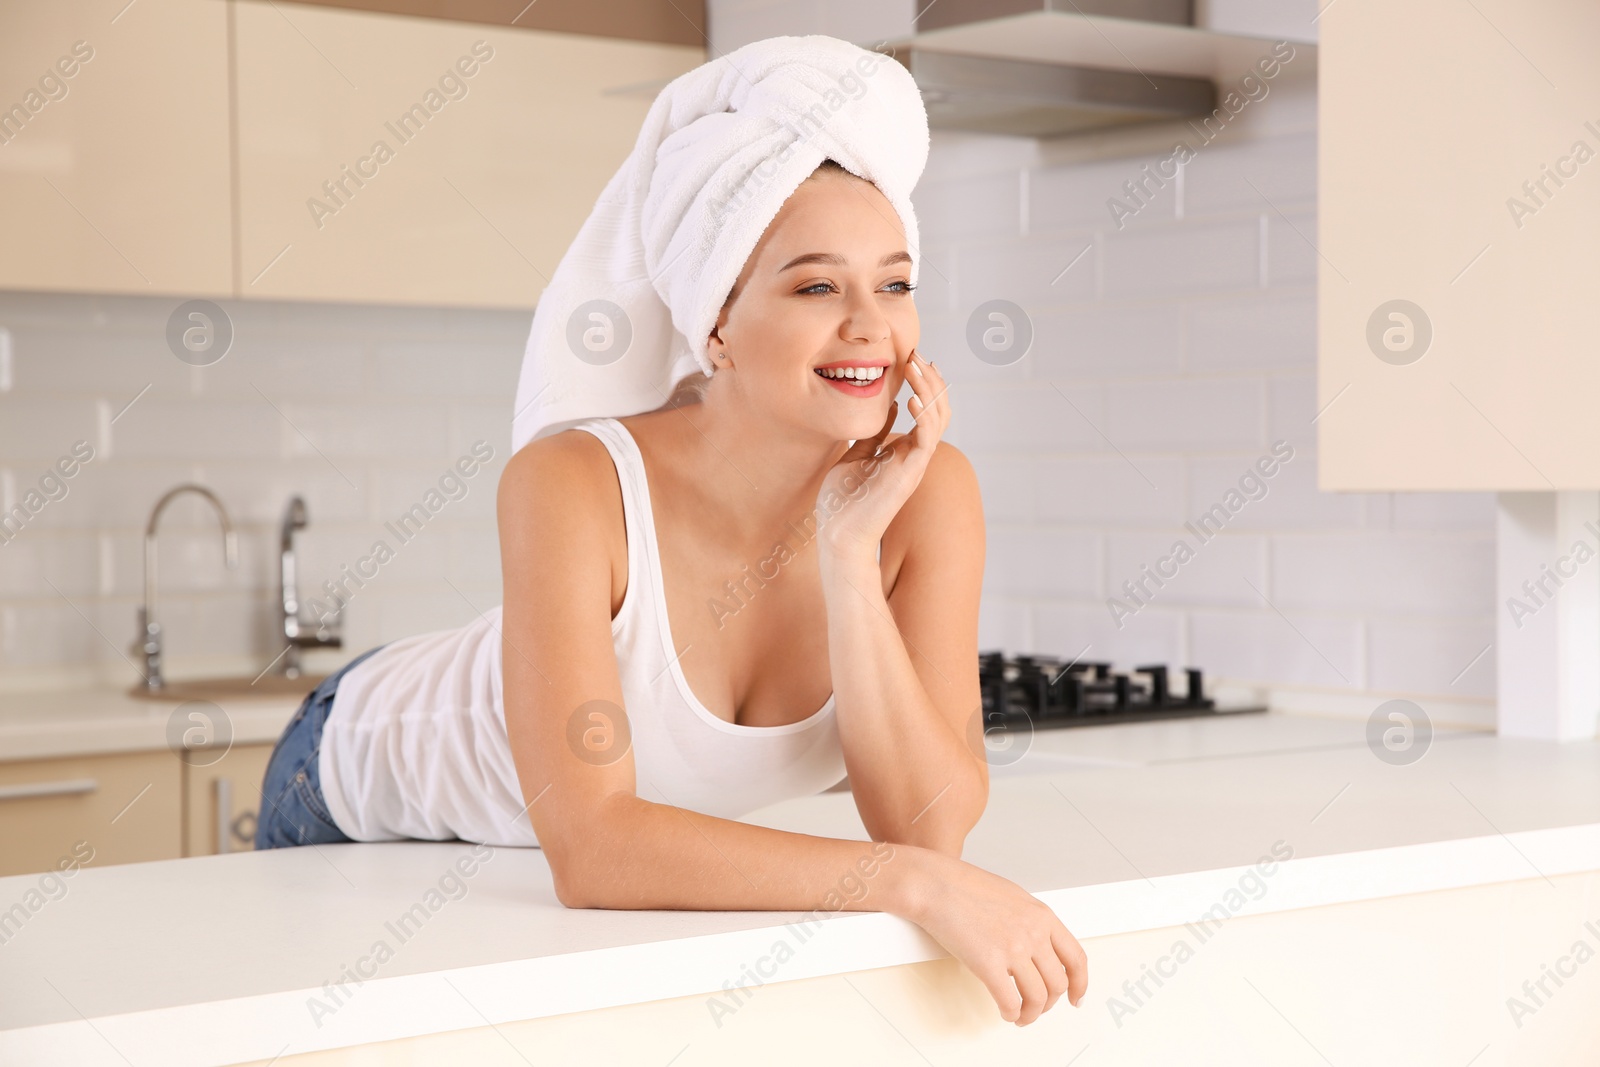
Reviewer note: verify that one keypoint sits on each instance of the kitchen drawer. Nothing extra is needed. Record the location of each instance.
(223, 800)
(126, 808)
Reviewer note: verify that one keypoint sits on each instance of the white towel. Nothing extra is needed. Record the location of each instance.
(628, 313)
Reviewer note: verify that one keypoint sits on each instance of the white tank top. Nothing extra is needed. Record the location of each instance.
(415, 745)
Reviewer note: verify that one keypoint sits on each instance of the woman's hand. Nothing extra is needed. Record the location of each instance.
(1002, 933)
(867, 487)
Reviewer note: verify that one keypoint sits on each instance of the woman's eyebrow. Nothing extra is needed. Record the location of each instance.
(837, 260)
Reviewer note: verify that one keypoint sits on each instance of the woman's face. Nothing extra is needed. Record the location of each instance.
(828, 285)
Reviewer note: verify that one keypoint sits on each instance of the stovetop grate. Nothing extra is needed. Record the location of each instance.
(1045, 691)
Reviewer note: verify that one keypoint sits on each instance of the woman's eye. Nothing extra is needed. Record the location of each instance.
(893, 287)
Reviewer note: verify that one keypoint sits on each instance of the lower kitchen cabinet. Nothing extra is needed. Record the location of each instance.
(127, 807)
(93, 810)
(222, 801)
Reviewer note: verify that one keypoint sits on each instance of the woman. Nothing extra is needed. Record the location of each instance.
(737, 597)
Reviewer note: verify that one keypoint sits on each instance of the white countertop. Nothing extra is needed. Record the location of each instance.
(227, 950)
(54, 723)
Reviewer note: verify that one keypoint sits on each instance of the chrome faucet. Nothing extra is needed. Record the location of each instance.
(298, 631)
(149, 640)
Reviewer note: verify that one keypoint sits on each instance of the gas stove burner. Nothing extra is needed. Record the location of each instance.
(1044, 691)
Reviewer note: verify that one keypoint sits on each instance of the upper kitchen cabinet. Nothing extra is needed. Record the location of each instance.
(398, 159)
(114, 146)
(1459, 217)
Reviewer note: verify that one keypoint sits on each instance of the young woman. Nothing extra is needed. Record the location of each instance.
(708, 608)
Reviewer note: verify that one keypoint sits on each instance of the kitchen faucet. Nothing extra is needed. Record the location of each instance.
(296, 630)
(149, 640)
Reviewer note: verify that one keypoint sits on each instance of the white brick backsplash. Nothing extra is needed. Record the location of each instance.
(1437, 656)
(1227, 177)
(188, 561)
(287, 370)
(1155, 635)
(1042, 562)
(1121, 490)
(1441, 511)
(163, 428)
(1265, 647)
(48, 360)
(936, 278)
(471, 369)
(1394, 573)
(944, 341)
(474, 560)
(44, 567)
(352, 378)
(1291, 405)
(985, 206)
(1198, 413)
(1253, 333)
(1032, 272)
(1117, 340)
(1030, 416)
(399, 490)
(1292, 256)
(1219, 573)
(47, 633)
(1079, 196)
(36, 431)
(490, 423)
(1292, 500)
(258, 492)
(412, 431)
(1008, 484)
(1181, 258)
(1004, 623)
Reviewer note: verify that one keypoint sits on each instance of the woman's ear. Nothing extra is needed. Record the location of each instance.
(714, 342)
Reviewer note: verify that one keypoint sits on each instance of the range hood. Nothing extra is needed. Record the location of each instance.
(1048, 68)
(1034, 99)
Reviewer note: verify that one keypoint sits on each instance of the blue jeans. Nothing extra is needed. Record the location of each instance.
(293, 811)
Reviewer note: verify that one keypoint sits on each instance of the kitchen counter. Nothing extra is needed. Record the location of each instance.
(47, 724)
(264, 938)
(52, 723)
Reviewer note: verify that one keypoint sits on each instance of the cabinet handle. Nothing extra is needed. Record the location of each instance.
(66, 787)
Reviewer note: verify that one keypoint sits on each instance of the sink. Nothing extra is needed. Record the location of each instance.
(268, 686)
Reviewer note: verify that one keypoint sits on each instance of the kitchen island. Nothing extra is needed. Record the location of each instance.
(1257, 890)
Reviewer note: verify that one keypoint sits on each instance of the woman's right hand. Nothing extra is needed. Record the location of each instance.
(1001, 932)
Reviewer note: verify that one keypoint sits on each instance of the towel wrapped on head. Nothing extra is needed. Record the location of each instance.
(628, 313)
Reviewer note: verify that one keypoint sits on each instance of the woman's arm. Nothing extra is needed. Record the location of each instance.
(563, 699)
(905, 671)
(607, 848)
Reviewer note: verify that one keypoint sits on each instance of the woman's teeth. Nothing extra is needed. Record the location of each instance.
(854, 375)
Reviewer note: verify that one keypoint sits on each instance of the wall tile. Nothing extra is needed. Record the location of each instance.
(1182, 258)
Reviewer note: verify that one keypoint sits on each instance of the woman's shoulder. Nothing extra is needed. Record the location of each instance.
(943, 514)
(949, 472)
(571, 471)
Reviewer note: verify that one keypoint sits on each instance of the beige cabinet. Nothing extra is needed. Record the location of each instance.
(93, 809)
(222, 801)
(1458, 218)
(390, 158)
(114, 169)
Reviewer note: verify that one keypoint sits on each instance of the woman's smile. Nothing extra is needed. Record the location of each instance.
(856, 377)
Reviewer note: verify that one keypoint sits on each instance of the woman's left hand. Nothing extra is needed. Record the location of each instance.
(869, 484)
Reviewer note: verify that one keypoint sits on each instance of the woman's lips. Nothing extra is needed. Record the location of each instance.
(857, 390)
